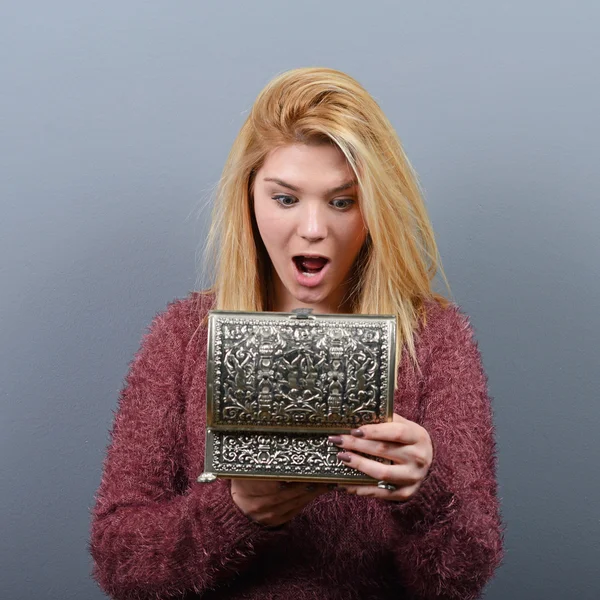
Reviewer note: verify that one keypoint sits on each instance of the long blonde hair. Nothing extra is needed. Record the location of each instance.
(396, 267)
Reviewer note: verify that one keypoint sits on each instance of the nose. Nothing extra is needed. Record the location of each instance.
(313, 226)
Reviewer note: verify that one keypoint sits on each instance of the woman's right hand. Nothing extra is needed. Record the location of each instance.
(273, 503)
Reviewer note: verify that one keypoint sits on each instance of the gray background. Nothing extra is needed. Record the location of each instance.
(115, 121)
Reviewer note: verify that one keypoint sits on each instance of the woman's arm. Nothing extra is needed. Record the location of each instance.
(446, 535)
(153, 535)
(449, 536)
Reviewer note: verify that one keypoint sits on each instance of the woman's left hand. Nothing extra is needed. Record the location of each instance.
(405, 443)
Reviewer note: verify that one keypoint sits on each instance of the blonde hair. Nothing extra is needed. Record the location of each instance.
(396, 267)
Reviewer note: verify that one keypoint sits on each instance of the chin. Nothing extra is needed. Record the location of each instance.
(322, 298)
(310, 297)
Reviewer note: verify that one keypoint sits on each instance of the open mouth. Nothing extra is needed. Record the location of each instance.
(310, 265)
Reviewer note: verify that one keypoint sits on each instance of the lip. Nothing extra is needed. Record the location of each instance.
(310, 281)
(311, 255)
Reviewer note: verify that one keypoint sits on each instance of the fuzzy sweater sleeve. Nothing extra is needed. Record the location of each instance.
(449, 536)
(153, 535)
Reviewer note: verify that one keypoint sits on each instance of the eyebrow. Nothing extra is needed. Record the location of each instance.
(339, 188)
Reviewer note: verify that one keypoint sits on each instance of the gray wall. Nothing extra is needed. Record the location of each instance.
(115, 120)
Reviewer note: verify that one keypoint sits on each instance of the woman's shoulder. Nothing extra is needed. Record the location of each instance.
(444, 323)
(183, 316)
(195, 303)
(194, 306)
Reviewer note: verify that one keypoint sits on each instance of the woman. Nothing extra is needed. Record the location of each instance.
(317, 207)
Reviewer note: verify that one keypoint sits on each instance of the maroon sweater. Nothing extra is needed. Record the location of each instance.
(156, 533)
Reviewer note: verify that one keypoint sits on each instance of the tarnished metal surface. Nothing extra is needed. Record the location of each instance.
(278, 384)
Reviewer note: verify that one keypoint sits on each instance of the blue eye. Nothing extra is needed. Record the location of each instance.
(342, 203)
(285, 201)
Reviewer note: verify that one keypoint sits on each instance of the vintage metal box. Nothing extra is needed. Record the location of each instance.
(278, 384)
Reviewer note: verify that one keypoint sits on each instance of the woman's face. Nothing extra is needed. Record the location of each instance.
(306, 209)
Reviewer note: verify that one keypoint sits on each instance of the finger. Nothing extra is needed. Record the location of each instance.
(288, 485)
(280, 496)
(319, 488)
(257, 488)
(282, 518)
(399, 431)
(281, 512)
(278, 515)
(305, 493)
(401, 494)
(396, 418)
(311, 488)
(301, 487)
(389, 450)
(399, 475)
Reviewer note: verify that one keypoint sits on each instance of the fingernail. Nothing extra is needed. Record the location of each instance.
(336, 440)
(344, 457)
(357, 433)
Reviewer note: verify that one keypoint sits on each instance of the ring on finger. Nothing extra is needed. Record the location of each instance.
(384, 485)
